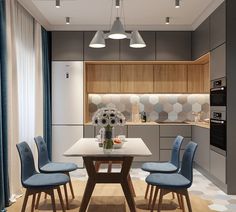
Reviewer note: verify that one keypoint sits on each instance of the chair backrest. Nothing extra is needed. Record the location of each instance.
(176, 150)
(187, 161)
(42, 151)
(27, 161)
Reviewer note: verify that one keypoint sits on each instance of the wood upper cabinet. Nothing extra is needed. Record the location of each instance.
(136, 78)
(170, 78)
(198, 78)
(103, 78)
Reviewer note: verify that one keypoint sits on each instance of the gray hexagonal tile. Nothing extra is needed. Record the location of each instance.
(153, 99)
(177, 107)
(134, 99)
(101, 105)
(173, 116)
(144, 99)
(196, 107)
(153, 116)
(173, 98)
(187, 107)
(192, 98)
(127, 115)
(182, 99)
(163, 116)
(92, 108)
(158, 107)
(141, 107)
(167, 107)
(205, 107)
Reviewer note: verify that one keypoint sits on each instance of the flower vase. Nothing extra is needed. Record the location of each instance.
(108, 142)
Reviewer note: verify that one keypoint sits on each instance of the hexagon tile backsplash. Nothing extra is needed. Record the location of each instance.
(158, 107)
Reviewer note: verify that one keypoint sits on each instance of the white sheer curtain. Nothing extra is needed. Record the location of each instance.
(25, 90)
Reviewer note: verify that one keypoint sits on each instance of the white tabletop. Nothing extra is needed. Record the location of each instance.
(89, 147)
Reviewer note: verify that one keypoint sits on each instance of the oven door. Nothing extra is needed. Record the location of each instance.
(218, 96)
(218, 134)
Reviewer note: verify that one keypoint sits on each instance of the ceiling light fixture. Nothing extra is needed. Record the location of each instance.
(117, 32)
(167, 20)
(177, 3)
(58, 4)
(67, 20)
(117, 4)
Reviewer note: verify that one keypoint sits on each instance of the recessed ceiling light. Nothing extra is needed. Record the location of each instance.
(167, 20)
(117, 4)
(177, 3)
(67, 20)
(58, 4)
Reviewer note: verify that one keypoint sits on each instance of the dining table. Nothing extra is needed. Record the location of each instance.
(91, 152)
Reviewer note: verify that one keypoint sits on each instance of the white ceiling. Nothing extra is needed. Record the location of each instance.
(139, 14)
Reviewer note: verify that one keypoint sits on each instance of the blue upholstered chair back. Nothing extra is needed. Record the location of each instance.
(176, 150)
(27, 161)
(187, 161)
(42, 151)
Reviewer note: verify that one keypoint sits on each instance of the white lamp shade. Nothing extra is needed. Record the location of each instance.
(98, 40)
(136, 41)
(117, 30)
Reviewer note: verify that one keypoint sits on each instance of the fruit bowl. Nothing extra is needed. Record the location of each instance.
(117, 143)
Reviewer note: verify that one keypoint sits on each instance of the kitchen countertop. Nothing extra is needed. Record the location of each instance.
(199, 124)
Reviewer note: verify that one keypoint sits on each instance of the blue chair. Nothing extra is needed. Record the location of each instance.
(46, 166)
(35, 182)
(165, 167)
(175, 182)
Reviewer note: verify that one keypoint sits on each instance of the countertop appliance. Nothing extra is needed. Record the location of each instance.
(218, 139)
(218, 93)
(67, 108)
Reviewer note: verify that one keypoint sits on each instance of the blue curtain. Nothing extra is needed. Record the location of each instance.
(47, 107)
(4, 180)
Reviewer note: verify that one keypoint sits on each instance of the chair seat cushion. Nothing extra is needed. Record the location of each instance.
(40, 180)
(58, 167)
(154, 167)
(168, 181)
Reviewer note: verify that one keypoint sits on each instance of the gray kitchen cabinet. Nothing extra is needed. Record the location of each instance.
(165, 155)
(167, 143)
(89, 131)
(218, 62)
(118, 130)
(67, 46)
(201, 136)
(150, 136)
(171, 131)
(218, 26)
(201, 40)
(218, 166)
(168, 134)
(110, 52)
(147, 53)
(173, 46)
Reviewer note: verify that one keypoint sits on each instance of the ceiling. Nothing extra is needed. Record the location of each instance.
(139, 14)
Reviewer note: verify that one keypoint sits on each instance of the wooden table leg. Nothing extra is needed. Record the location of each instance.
(98, 177)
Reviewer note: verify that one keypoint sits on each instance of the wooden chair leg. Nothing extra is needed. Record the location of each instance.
(188, 201)
(66, 196)
(33, 202)
(150, 198)
(147, 190)
(60, 198)
(154, 198)
(173, 195)
(71, 187)
(160, 200)
(38, 199)
(182, 202)
(25, 200)
(53, 200)
(179, 201)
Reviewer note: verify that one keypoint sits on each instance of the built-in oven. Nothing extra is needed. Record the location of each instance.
(218, 92)
(218, 131)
